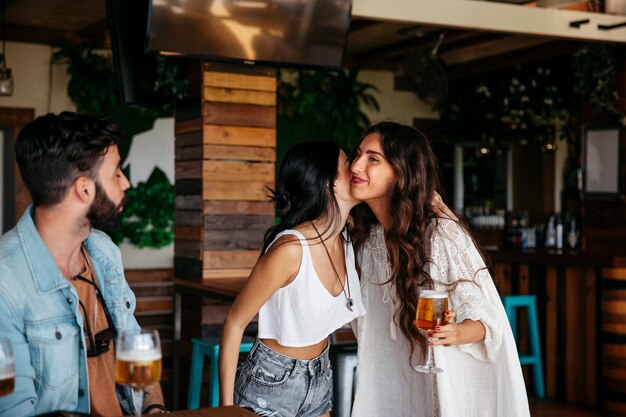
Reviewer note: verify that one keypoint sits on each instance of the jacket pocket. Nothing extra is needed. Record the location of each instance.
(54, 349)
(120, 301)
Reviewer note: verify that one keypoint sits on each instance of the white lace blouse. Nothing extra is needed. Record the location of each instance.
(482, 379)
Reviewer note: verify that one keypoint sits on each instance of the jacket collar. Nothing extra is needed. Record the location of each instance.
(46, 275)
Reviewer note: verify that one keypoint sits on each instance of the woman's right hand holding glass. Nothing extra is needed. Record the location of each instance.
(445, 334)
(452, 333)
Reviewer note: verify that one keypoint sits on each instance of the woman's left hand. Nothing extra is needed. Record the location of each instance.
(440, 209)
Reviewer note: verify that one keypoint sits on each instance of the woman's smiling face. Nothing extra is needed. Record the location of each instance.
(373, 177)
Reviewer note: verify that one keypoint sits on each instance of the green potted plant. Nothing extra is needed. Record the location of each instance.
(322, 105)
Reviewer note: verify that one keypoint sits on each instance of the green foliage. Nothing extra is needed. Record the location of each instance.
(595, 76)
(322, 105)
(149, 214)
(534, 101)
(92, 78)
(170, 82)
(92, 85)
(524, 103)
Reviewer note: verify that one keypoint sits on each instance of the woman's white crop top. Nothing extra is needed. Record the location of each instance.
(304, 312)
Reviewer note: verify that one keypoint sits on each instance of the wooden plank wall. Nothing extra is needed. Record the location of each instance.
(153, 290)
(568, 300)
(225, 160)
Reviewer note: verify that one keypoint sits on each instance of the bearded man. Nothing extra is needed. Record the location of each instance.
(63, 295)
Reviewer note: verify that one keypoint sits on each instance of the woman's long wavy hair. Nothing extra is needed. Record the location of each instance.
(304, 187)
(408, 245)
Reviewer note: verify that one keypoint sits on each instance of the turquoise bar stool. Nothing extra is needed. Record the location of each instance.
(209, 347)
(511, 304)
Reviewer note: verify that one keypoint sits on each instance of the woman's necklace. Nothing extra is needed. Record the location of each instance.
(349, 302)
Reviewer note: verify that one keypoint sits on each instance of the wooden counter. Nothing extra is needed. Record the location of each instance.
(554, 257)
(582, 362)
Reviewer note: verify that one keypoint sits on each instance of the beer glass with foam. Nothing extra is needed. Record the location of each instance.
(7, 367)
(431, 308)
(138, 361)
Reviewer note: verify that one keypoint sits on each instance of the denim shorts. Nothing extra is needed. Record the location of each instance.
(271, 384)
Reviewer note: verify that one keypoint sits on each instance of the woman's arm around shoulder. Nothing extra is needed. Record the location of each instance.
(275, 269)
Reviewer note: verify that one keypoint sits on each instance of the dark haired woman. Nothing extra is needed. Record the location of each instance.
(304, 287)
(402, 249)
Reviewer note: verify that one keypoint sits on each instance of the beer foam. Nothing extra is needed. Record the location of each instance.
(7, 375)
(139, 356)
(433, 294)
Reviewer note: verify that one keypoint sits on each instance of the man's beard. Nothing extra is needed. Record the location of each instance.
(103, 213)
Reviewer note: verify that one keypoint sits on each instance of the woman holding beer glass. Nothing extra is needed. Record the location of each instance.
(304, 286)
(403, 251)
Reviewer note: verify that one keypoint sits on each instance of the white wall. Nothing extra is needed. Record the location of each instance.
(151, 148)
(38, 83)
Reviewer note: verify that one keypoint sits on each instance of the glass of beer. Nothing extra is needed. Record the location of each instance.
(431, 308)
(138, 361)
(7, 367)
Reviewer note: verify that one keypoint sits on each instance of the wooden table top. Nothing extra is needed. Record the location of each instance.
(225, 287)
(231, 411)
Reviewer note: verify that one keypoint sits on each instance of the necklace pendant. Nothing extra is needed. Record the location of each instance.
(350, 304)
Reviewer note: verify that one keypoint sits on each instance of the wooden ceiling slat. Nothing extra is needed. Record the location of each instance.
(62, 15)
(41, 35)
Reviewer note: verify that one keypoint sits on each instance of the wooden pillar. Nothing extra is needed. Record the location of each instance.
(225, 160)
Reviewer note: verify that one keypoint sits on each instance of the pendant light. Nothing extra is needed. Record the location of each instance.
(6, 77)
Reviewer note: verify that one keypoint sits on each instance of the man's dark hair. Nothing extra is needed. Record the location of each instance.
(54, 150)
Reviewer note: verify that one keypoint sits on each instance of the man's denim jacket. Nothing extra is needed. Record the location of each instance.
(39, 313)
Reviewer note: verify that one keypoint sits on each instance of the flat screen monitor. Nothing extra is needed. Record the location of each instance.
(135, 70)
(283, 32)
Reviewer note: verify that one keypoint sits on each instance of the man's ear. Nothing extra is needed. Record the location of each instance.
(85, 189)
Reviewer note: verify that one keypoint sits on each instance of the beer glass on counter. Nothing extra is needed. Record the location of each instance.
(431, 308)
(7, 367)
(138, 361)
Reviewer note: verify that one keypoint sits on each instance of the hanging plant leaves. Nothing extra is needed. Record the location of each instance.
(326, 104)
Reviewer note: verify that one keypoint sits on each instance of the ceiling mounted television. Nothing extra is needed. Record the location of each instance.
(279, 32)
(134, 69)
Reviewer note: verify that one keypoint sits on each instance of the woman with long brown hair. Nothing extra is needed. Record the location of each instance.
(403, 249)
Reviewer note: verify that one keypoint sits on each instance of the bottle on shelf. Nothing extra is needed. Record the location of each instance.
(559, 231)
(572, 233)
(550, 234)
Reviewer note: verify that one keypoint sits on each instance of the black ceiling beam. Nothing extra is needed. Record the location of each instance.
(508, 60)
